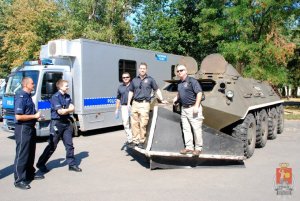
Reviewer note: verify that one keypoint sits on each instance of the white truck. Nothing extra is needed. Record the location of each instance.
(94, 71)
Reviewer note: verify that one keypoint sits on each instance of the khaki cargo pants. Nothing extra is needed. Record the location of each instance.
(191, 121)
(139, 121)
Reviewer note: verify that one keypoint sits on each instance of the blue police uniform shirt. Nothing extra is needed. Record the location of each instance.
(188, 90)
(60, 101)
(142, 88)
(122, 93)
(24, 106)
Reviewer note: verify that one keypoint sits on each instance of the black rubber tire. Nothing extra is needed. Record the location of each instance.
(262, 129)
(280, 127)
(246, 131)
(273, 124)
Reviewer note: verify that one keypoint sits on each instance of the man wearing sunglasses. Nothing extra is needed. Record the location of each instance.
(140, 90)
(189, 95)
(122, 99)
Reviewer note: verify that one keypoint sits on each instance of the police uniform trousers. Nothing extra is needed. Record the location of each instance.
(25, 136)
(64, 132)
(188, 120)
(139, 120)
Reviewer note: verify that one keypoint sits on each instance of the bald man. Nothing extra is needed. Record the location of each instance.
(25, 136)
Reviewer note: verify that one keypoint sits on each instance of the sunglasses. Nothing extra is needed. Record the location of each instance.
(125, 77)
(180, 70)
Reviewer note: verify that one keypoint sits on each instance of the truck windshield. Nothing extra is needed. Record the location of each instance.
(14, 81)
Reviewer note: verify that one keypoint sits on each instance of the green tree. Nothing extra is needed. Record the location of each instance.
(252, 35)
(156, 27)
(256, 40)
(294, 35)
(28, 24)
(201, 25)
(4, 68)
(104, 20)
(181, 26)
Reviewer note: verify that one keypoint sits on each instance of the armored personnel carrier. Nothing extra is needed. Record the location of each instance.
(240, 114)
(243, 108)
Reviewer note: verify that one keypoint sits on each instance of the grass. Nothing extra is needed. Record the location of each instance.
(292, 116)
(292, 113)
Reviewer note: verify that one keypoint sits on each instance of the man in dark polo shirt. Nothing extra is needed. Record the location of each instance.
(140, 90)
(60, 127)
(189, 94)
(25, 135)
(122, 99)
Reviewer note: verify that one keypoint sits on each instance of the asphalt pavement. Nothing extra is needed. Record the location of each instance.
(110, 173)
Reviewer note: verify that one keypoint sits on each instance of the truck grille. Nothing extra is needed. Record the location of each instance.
(8, 112)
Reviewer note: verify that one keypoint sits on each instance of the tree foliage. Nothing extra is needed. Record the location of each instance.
(25, 25)
(28, 24)
(259, 37)
(4, 67)
(252, 35)
(259, 47)
(156, 28)
(103, 20)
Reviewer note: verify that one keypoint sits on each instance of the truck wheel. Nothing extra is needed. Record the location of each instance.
(262, 129)
(280, 111)
(273, 124)
(246, 131)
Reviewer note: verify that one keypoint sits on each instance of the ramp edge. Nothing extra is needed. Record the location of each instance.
(174, 154)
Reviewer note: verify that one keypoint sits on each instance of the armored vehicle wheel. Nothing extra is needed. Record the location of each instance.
(280, 119)
(246, 131)
(273, 124)
(262, 129)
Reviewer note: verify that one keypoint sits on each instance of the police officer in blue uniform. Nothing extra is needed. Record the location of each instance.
(25, 136)
(60, 127)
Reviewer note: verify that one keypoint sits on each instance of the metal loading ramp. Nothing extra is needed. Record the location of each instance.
(165, 140)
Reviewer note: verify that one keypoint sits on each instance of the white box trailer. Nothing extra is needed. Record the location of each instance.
(94, 71)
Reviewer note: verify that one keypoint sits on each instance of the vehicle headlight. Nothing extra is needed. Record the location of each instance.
(229, 94)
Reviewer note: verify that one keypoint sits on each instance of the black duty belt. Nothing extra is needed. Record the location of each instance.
(63, 121)
(26, 124)
(142, 101)
(187, 106)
